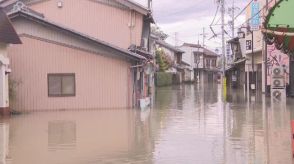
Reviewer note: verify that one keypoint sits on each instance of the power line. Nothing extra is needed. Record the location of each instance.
(249, 19)
(216, 12)
(243, 9)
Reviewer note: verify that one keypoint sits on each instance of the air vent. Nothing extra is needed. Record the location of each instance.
(59, 4)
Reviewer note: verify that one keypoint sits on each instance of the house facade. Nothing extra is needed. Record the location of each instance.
(72, 58)
(235, 72)
(203, 62)
(265, 57)
(277, 31)
(188, 59)
(174, 54)
(7, 36)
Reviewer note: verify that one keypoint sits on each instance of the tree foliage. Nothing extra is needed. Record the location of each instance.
(158, 32)
(162, 60)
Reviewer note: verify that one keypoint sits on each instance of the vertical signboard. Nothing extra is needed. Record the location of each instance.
(248, 45)
(255, 19)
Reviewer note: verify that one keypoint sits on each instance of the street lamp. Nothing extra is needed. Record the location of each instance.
(241, 35)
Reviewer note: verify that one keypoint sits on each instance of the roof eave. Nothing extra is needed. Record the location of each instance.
(7, 31)
(134, 6)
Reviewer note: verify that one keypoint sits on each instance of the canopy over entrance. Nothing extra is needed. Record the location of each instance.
(279, 26)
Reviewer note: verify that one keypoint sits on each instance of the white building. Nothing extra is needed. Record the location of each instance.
(203, 62)
(189, 58)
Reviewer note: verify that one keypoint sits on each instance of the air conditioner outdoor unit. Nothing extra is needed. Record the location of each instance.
(278, 78)
(278, 94)
(278, 82)
(277, 71)
(278, 87)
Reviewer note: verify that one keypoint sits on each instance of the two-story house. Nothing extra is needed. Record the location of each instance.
(75, 54)
(203, 62)
(188, 59)
(235, 73)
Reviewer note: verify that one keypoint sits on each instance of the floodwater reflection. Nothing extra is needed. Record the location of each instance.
(188, 124)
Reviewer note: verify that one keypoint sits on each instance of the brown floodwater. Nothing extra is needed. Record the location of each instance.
(188, 124)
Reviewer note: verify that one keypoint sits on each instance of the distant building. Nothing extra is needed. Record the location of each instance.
(203, 62)
(172, 52)
(179, 68)
(235, 73)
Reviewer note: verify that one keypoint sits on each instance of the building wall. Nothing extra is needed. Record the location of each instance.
(114, 24)
(169, 53)
(189, 75)
(277, 58)
(282, 59)
(101, 81)
(188, 56)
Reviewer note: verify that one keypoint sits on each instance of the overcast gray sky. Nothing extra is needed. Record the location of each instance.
(188, 17)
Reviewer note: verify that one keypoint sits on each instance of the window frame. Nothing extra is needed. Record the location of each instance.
(61, 75)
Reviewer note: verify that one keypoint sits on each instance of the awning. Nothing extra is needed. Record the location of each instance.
(239, 61)
(236, 63)
(279, 26)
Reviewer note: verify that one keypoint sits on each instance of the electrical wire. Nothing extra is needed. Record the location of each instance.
(249, 19)
(216, 12)
(241, 12)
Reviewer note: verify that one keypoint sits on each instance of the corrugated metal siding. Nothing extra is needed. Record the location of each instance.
(98, 20)
(101, 82)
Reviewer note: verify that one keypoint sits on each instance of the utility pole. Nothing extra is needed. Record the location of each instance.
(150, 4)
(176, 39)
(223, 36)
(203, 37)
(233, 19)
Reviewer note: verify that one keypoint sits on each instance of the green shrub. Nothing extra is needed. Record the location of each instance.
(164, 79)
(162, 60)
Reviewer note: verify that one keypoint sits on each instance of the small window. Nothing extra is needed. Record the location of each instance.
(61, 85)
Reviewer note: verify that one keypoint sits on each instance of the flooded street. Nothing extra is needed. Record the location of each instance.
(188, 124)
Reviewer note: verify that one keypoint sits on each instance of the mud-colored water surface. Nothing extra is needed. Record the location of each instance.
(188, 124)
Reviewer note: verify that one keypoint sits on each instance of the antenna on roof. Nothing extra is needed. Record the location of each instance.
(150, 5)
(19, 6)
